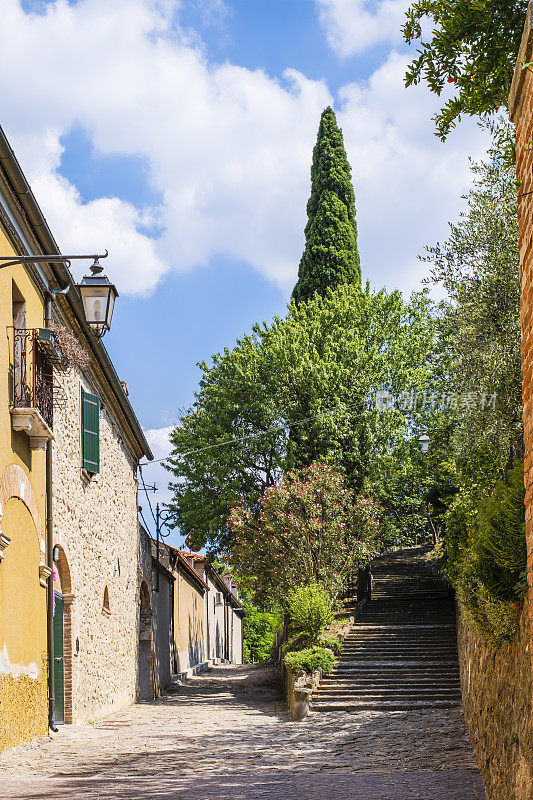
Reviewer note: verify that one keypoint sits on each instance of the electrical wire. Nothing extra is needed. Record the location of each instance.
(252, 435)
(147, 495)
(144, 523)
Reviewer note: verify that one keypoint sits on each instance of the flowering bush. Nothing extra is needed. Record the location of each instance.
(309, 527)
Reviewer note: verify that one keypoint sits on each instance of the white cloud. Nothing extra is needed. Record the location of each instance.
(228, 148)
(408, 184)
(159, 441)
(354, 26)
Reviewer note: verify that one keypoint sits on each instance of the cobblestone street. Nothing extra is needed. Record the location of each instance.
(226, 735)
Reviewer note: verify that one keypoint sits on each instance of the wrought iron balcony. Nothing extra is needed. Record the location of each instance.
(35, 353)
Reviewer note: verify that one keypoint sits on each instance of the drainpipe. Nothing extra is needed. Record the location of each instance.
(50, 561)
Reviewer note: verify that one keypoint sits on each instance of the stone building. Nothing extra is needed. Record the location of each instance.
(156, 635)
(223, 614)
(70, 513)
(97, 448)
(189, 614)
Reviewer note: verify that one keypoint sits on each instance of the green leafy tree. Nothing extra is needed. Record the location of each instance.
(259, 632)
(308, 528)
(473, 46)
(480, 324)
(299, 390)
(330, 256)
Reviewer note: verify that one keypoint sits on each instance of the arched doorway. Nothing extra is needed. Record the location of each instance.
(145, 663)
(63, 599)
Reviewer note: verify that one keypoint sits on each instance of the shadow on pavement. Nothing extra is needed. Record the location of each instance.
(422, 785)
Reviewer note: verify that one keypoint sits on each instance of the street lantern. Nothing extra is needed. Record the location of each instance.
(98, 296)
(424, 442)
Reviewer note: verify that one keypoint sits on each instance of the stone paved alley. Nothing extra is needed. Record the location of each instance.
(226, 735)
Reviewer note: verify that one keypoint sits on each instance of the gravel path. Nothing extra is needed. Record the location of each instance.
(225, 734)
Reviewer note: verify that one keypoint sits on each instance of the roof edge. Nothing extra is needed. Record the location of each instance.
(44, 235)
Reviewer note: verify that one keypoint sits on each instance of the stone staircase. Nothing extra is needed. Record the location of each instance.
(402, 653)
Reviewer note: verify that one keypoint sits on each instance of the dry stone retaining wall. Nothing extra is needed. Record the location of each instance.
(497, 691)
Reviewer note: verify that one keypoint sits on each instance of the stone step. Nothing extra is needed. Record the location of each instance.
(355, 672)
(383, 705)
(393, 697)
(412, 653)
(392, 665)
(381, 636)
(398, 648)
(392, 658)
(385, 686)
(378, 681)
(384, 691)
(363, 677)
(413, 626)
(401, 654)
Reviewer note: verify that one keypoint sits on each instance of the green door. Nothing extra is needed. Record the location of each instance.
(59, 667)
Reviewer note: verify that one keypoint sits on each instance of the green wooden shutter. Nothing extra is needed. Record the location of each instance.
(90, 432)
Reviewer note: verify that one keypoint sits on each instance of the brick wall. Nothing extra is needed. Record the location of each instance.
(521, 112)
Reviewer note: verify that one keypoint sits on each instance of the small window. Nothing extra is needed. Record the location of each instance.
(90, 432)
(105, 606)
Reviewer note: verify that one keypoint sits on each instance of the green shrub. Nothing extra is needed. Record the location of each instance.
(332, 643)
(311, 659)
(499, 547)
(488, 565)
(310, 610)
(297, 642)
(495, 620)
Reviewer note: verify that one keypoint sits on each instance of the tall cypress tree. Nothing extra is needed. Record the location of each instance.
(330, 256)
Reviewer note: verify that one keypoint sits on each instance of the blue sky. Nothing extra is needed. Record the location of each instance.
(178, 135)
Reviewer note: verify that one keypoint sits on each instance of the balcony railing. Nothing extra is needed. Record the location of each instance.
(35, 353)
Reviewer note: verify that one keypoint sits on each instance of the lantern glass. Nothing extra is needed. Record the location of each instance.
(424, 442)
(98, 296)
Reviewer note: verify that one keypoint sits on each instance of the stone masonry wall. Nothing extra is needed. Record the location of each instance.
(497, 689)
(95, 523)
(497, 684)
(521, 112)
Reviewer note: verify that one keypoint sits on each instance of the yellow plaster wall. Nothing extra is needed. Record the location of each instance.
(14, 447)
(22, 599)
(23, 658)
(188, 621)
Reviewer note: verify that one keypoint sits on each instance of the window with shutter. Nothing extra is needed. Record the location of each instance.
(90, 432)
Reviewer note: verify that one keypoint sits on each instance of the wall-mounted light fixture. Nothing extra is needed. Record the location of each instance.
(98, 297)
(55, 553)
(424, 442)
(97, 293)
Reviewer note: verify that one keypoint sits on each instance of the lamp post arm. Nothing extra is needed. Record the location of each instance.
(161, 520)
(9, 261)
